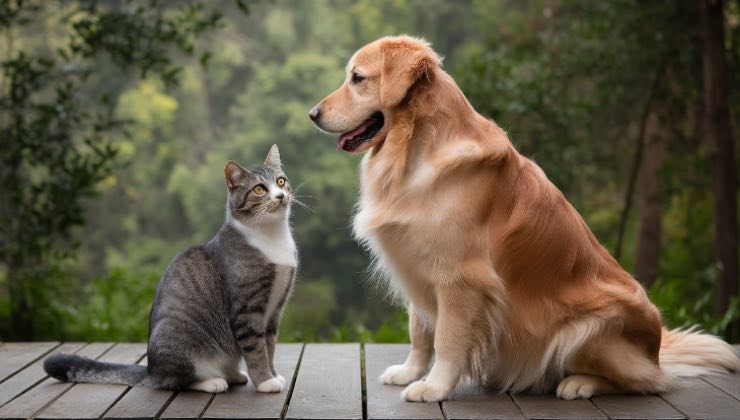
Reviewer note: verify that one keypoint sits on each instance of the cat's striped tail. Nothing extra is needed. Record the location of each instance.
(73, 368)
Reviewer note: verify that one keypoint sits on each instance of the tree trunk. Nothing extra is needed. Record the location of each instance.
(650, 201)
(717, 133)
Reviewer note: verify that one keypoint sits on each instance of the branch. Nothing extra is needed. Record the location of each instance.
(637, 162)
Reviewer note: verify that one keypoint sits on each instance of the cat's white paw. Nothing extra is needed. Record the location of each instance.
(213, 385)
(281, 379)
(401, 375)
(423, 391)
(270, 385)
(240, 378)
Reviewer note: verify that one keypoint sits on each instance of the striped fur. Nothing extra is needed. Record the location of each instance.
(218, 303)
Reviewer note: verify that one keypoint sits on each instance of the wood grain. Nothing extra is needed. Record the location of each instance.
(698, 399)
(16, 356)
(473, 403)
(90, 401)
(31, 375)
(36, 398)
(246, 403)
(636, 407)
(328, 385)
(384, 401)
(728, 383)
(550, 407)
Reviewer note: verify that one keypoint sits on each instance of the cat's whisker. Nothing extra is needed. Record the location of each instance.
(304, 205)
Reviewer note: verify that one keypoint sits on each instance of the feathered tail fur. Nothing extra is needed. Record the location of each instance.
(693, 353)
(73, 368)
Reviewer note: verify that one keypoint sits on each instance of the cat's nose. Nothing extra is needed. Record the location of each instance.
(280, 196)
(314, 113)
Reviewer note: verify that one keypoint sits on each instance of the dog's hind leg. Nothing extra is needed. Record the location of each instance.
(583, 386)
(614, 365)
(422, 348)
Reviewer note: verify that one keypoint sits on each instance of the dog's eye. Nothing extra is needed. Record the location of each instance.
(357, 78)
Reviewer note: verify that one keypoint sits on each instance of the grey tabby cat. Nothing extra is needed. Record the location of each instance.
(216, 303)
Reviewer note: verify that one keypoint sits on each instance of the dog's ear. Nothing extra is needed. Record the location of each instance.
(406, 60)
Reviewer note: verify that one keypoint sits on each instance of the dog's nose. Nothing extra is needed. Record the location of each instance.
(314, 113)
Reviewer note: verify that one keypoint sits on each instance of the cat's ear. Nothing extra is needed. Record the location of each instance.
(273, 157)
(234, 174)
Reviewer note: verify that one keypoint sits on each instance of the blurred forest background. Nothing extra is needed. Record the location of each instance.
(117, 117)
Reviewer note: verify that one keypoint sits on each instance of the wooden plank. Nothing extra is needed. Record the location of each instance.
(33, 400)
(245, 403)
(187, 405)
(16, 356)
(328, 385)
(384, 401)
(90, 401)
(140, 402)
(31, 375)
(698, 399)
(474, 403)
(636, 407)
(728, 383)
(550, 407)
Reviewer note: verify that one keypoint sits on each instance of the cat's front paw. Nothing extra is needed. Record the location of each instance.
(281, 379)
(271, 385)
(423, 391)
(401, 375)
(240, 378)
(213, 385)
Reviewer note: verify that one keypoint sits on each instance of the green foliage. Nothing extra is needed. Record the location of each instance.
(139, 131)
(114, 307)
(57, 137)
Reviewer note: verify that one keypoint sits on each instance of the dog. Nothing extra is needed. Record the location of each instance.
(505, 283)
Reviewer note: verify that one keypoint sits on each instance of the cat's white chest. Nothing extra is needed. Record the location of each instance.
(276, 243)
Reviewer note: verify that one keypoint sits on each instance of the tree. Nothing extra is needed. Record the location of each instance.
(56, 139)
(717, 133)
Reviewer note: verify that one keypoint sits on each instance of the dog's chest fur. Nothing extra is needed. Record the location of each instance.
(420, 229)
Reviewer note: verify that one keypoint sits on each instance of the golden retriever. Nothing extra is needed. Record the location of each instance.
(505, 283)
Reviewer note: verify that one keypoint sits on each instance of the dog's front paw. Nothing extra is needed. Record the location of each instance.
(423, 391)
(270, 385)
(400, 375)
(577, 386)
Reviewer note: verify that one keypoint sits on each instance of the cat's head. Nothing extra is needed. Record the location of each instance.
(261, 194)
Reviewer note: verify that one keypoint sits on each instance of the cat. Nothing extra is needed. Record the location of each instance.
(218, 303)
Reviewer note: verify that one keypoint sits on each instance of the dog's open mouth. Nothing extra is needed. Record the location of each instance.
(351, 140)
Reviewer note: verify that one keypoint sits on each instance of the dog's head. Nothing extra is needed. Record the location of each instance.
(381, 78)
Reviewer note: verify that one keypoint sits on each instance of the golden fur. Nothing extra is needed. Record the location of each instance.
(506, 284)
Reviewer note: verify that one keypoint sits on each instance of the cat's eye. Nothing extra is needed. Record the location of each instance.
(357, 78)
(281, 181)
(259, 190)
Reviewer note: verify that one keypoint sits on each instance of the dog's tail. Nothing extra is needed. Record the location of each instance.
(73, 368)
(693, 353)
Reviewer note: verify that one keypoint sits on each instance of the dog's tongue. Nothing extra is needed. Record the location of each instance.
(344, 138)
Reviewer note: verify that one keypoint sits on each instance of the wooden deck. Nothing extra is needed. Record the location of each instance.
(326, 381)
